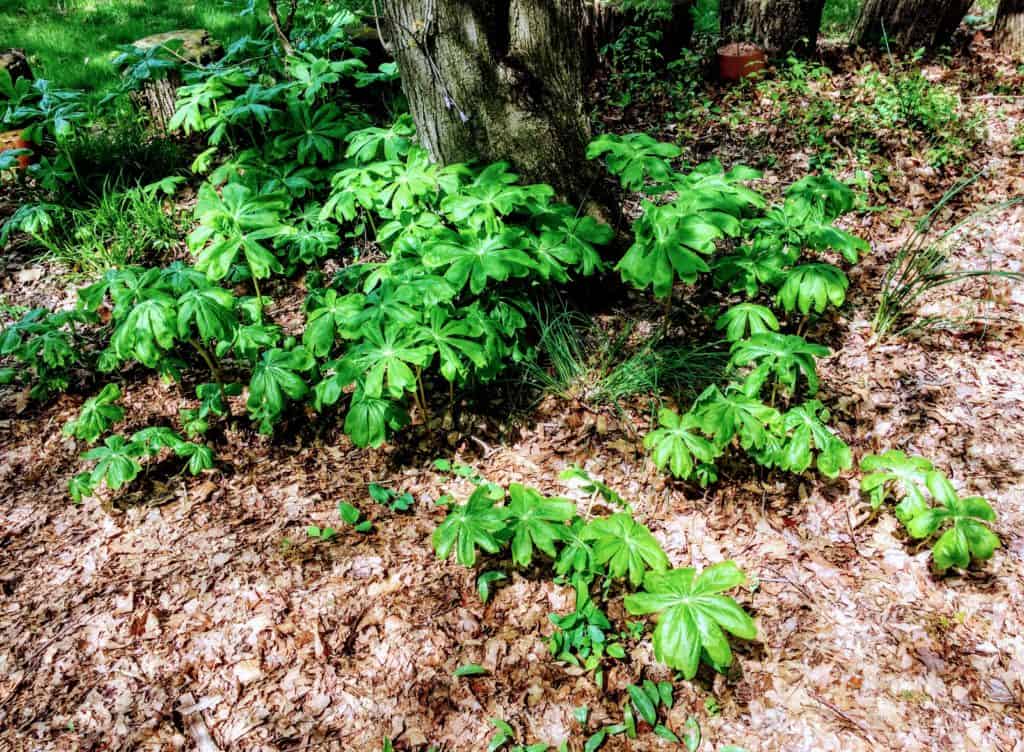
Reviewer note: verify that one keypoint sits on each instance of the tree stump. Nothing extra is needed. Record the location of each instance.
(188, 47)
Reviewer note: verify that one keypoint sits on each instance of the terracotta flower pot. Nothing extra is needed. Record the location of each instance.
(738, 60)
(15, 140)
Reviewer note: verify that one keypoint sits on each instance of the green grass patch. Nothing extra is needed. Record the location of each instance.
(71, 42)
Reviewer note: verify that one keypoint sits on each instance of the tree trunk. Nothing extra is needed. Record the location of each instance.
(606, 20)
(910, 24)
(779, 26)
(1009, 32)
(497, 80)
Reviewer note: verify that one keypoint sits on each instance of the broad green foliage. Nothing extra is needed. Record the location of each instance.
(606, 549)
(812, 287)
(964, 520)
(791, 441)
(585, 636)
(785, 357)
(276, 378)
(636, 158)
(47, 346)
(694, 615)
(535, 522)
(806, 435)
(894, 472)
(746, 319)
(625, 547)
(118, 461)
(678, 445)
(964, 523)
(477, 524)
(677, 238)
(237, 223)
(97, 416)
(725, 415)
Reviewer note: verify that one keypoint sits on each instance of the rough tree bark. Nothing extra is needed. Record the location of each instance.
(497, 80)
(779, 26)
(910, 24)
(1009, 32)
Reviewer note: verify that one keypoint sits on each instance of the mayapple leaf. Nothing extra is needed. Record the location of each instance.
(625, 547)
(475, 525)
(694, 616)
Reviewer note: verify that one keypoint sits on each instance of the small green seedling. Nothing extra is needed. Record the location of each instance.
(393, 500)
(354, 517)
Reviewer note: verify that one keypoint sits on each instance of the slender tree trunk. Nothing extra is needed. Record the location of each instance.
(497, 80)
(910, 24)
(1009, 31)
(779, 26)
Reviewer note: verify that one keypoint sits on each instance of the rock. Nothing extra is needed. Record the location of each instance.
(16, 63)
(197, 46)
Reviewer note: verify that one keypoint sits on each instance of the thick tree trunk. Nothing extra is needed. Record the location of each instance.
(779, 26)
(910, 24)
(497, 80)
(1009, 31)
(608, 18)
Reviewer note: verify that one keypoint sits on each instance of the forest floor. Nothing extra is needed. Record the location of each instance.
(196, 614)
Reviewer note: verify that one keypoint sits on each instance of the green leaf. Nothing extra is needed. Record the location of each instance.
(813, 287)
(624, 546)
(806, 431)
(745, 319)
(275, 379)
(677, 445)
(635, 158)
(370, 419)
(484, 582)
(595, 741)
(535, 521)
(968, 536)
(116, 462)
(692, 735)
(893, 471)
(471, 259)
(477, 524)
(97, 416)
(643, 704)
(693, 615)
(384, 358)
(787, 356)
(470, 669)
(723, 416)
(665, 733)
(211, 310)
(236, 223)
(349, 513)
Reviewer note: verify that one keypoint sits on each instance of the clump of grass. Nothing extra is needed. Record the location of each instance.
(577, 359)
(922, 266)
(120, 152)
(122, 228)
